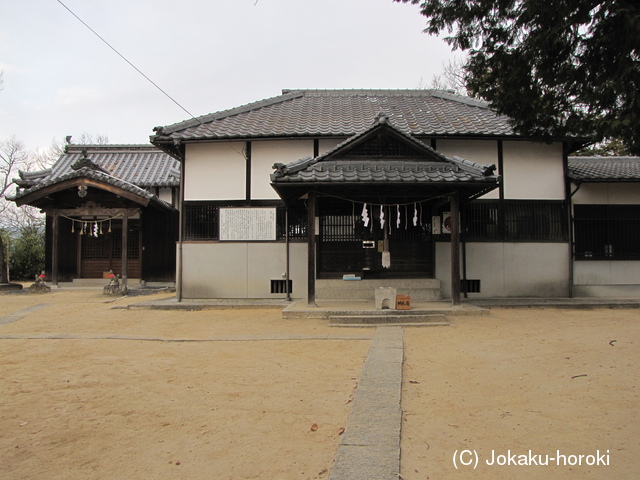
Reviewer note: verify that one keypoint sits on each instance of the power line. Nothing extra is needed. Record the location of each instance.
(132, 65)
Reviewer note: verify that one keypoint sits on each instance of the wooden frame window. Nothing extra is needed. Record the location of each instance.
(606, 232)
(515, 221)
(202, 219)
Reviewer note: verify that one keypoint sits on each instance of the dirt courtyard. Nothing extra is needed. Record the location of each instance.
(91, 390)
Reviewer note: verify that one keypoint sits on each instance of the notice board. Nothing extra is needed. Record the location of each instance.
(248, 224)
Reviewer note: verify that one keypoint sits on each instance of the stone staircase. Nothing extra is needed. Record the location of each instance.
(389, 317)
(420, 290)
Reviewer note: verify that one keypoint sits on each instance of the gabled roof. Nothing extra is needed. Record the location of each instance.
(401, 160)
(320, 113)
(130, 168)
(604, 169)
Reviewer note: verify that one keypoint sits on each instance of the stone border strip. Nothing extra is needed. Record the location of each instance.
(22, 313)
(370, 446)
(233, 338)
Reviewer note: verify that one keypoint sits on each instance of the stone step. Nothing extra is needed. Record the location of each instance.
(389, 319)
(420, 290)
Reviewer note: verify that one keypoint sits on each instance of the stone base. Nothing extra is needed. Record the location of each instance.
(115, 290)
(10, 286)
(386, 298)
(39, 288)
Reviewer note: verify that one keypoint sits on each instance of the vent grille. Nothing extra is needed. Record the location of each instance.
(470, 286)
(280, 286)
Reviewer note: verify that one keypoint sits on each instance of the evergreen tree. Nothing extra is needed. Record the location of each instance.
(26, 259)
(560, 68)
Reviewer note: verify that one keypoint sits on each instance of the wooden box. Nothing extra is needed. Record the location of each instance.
(403, 302)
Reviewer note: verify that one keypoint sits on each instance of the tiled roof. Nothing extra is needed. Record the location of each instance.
(367, 171)
(141, 165)
(614, 169)
(344, 113)
(130, 167)
(86, 172)
(433, 167)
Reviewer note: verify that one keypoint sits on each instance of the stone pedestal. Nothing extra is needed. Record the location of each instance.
(39, 286)
(386, 298)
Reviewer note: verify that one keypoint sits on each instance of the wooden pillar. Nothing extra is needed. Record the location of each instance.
(78, 255)
(287, 252)
(125, 244)
(311, 247)
(454, 202)
(54, 248)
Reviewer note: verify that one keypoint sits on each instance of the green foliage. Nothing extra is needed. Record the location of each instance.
(4, 265)
(560, 68)
(606, 148)
(26, 254)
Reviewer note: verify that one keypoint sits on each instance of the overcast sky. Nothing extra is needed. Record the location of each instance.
(209, 55)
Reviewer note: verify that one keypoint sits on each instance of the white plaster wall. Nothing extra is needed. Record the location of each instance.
(607, 194)
(324, 145)
(215, 171)
(165, 194)
(480, 151)
(606, 272)
(264, 154)
(241, 270)
(484, 152)
(510, 269)
(533, 171)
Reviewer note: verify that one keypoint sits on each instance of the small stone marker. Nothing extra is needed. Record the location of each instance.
(385, 298)
(403, 302)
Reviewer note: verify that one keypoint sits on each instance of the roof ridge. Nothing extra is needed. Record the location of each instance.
(93, 147)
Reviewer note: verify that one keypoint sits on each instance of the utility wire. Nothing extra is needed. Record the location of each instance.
(132, 65)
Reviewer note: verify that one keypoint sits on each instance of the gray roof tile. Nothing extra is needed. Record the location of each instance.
(131, 167)
(431, 167)
(344, 113)
(620, 169)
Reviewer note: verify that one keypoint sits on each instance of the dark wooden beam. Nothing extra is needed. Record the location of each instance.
(75, 182)
(125, 249)
(96, 212)
(54, 249)
(454, 202)
(311, 241)
(248, 172)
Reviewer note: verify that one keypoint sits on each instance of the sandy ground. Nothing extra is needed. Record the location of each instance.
(520, 380)
(90, 390)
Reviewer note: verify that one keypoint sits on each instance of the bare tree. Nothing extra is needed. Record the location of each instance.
(453, 77)
(14, 157)
(90, 139)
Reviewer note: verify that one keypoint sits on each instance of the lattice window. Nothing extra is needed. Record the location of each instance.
(607, 232)
(95, 248)
(202, 219)
(515, 220)
(384, 146)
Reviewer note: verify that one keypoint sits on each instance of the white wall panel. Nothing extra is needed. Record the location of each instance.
(264, 154)
(533, 171)
(241, 270)
(215, 171)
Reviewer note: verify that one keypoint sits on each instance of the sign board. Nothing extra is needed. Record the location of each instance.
(436, 227)
(403, 302)
(248, 224)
